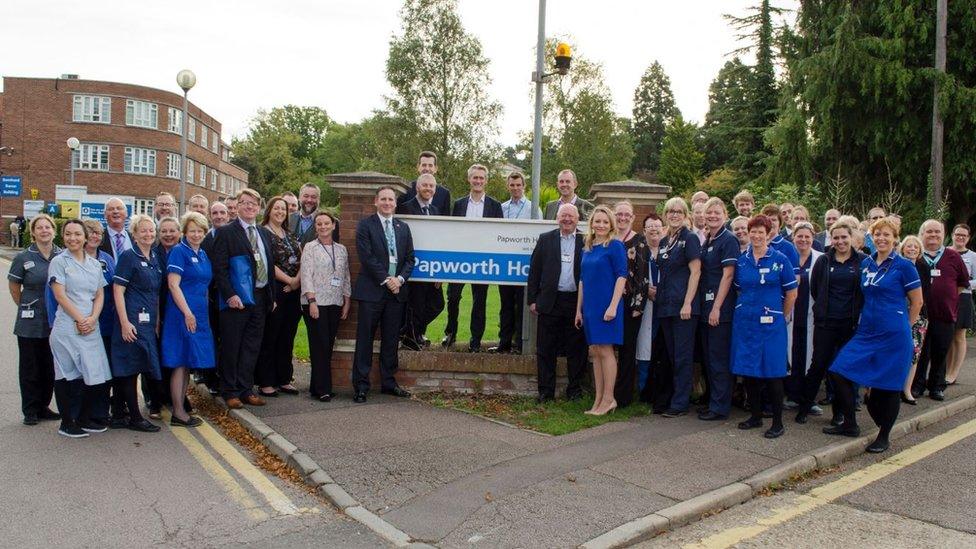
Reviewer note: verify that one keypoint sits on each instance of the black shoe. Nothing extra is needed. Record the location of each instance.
(843, 431)
(774, 432)
(194, 421)
(908, 401)
(288, 390)
(31, 419)
(878, 446)
(448, 340)
(542, 399)
(574, 396)
(91, 427)
(359, 398)
(711, 416)
(423, 341)
(659, 411)
(397, 392)
(272, 394)
(327, 397)
(702, 409)
(801, 417)
(500, 350)
(213, 391)
(824, 402)
(72, 431)
(674, 413)
(47, 415)
(474, 347)
(837, 421)
(143, 426)
(751, 423)
(917, 394)
(936, 395)
(119, 422)
(516, 350)
(409, 344)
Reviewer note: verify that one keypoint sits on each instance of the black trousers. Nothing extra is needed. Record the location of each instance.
(36, 374)
(883, 406)
(387, 315)
(557, 334)
(321, 340)
(426, 301)
(774, 393)
(479, 297)
(828, 340)
(69, 395)
(679, 337)
(241, 332)
(660, 384)
(274, 367)
(624, 386)
(211, 376)
(116, 402)
(931, 370)
(510, 317)
(716, 348)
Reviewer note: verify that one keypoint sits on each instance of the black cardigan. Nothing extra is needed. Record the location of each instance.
(820, 283)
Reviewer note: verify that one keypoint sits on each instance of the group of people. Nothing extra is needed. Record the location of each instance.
(764, 299)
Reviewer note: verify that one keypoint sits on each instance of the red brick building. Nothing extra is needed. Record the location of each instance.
(130, 142)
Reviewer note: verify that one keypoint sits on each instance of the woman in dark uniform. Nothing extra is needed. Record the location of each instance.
(135, 350)
(679, 261)
(27, 281)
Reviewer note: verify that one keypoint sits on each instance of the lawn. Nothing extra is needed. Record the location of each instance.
(436, 329)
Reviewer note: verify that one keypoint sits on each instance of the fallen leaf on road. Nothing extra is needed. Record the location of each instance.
(488, 496)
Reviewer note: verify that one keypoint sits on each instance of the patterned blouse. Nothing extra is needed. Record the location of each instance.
(320, 265)
(287, 253)
(638, 255)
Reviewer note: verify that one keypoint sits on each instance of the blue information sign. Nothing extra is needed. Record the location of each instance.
(10, 185)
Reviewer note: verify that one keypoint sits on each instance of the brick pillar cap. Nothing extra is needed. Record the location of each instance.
(638, 192)
(364, 183)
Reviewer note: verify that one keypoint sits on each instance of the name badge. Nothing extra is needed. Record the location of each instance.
(764, 270)
(335, 282)
(28, 265)
(393, 259)
(870, 275)
(144, 264)
(27, 313)
(194, 260)
(766, 319)
(143, 317)
(664, 256)
(710, 248)
(567, 258)
(936, 272)
(257, 257)
(710, 296)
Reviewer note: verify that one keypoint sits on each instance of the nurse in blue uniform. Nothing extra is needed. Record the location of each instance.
(599, 309)
(880, 354)
(767, 292)
(779, 242)
(676, 303)
(187, 341)
(719, 257)
(138, 277)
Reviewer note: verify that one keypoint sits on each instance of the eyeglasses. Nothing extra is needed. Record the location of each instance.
(246, 203)
(675, 212)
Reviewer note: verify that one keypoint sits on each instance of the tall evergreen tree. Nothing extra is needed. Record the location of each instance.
(654, 109)
(725, 134)
(681, 161)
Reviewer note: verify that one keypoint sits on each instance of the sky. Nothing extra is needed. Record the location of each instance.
(256, 54)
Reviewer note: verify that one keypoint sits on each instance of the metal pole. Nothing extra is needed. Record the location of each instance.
(937, 126)
(71, 167)
(528, 319)
(184, 123)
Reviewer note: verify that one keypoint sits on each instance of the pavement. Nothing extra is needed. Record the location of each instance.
(451, 479)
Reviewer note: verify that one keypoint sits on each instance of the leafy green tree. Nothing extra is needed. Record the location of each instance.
(681, 161)
(654, 109)
(725, 133)
(596, 144)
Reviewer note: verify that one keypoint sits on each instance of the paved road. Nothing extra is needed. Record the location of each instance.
(127, 489)
(920, 494)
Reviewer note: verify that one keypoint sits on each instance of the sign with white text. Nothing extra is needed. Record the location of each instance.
(93, 205)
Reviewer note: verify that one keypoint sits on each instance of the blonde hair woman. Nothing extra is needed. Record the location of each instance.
(599, 310)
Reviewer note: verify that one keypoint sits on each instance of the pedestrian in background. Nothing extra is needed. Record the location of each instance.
(635, 294)
(27, 282)
(600, 309)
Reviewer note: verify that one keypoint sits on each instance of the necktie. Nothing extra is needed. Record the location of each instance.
(425, 211)
(119, 244)
(262, 274)
(390, 245)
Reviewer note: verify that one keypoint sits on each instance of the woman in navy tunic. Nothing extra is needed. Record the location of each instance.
(676, 303)
(767, 292)
(880, 354)
(135, 351)
(187, 341)
(600, 310)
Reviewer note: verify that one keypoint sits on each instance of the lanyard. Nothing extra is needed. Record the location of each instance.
(330, 254)
(932, 262)
(672, 244)
(518, 214)
(882, 270)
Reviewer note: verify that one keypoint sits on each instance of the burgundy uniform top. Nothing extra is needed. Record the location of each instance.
(941, 282)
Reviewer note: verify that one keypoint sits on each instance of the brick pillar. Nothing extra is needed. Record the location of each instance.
(644, 196)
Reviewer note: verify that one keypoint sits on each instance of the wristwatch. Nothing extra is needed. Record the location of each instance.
(311, 300)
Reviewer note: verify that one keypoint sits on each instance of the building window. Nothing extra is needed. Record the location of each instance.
(203, 175)
(141, 161)
(91, 157)
(203, 136)
(225, 155)
(173, 165)
(175, 120)
(213, 180)
(141, 113)
(144, 206)
(223, 183)
(192, 132)
(92, 108)
(189, 170)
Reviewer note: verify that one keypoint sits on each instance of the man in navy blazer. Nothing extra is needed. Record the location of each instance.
(427, 164)
(476, 205)
(116, 239)
(242, 324)
(381, 292)
(426, 298)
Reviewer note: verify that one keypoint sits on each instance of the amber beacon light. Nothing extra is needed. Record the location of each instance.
(564, 57)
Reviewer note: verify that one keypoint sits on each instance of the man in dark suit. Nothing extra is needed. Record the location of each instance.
(426, 299)
(302, 223)
(566, 184)
(242, 324)
(823, 237)
(551, 293)
(427, 164)
(116, 239)
(385, 249)
(476, 205)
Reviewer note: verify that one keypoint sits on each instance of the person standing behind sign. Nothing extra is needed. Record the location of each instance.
(476, 205)
(552, 292)
(566, 184)
(512, 297)
(426, 299)
(427, 164)
(599, 307)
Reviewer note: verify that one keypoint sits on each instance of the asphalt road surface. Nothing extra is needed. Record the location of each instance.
(174, 488)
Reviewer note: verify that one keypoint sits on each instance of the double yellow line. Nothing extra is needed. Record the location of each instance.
(271, 494)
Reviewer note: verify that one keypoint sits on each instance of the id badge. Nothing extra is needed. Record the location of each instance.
(567, 258)
(194, 260)
(27, 313)
(257, 257)
(28, 265)
(393, 259)
(710, 296)
(143, 317)
(936, 272)
(335, 282)
(764, 270)
(144, 264)
(766, 319)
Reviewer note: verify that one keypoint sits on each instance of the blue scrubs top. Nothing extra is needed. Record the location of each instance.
(759, 337)
(785, 247)
(718, 253)
(672, 261)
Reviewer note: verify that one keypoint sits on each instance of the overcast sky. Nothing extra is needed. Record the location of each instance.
(252, 54)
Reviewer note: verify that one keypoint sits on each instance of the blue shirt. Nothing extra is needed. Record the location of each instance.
(718, 253)
(522, 209)
(785, 247)
(762, 284)
(672, 260)
(885, 286)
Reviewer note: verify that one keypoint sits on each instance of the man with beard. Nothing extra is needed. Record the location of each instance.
(302, 223)
(427, 164)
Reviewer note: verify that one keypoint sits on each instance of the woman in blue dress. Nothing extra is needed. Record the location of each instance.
(187, 341)
(767, 292)
(880, 354)
(156, 393)
(603, 272)
(138, 276)
(779, 242)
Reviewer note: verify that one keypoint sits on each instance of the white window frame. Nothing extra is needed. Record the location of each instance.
(144, 206)
(92, 109)
(91, 157)
(203, 136)
(143, 114)
(192, 131)
(213, 179)
(173, 165)
(223, 183)
(140, 161)
(213, 142)
(175, 121)
(203, 175)
(189, 170)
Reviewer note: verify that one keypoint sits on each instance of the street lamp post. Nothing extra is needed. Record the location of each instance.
(186, 80)
(73, 145)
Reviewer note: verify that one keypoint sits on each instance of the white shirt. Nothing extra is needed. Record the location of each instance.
(475, 209)
(126, 242)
